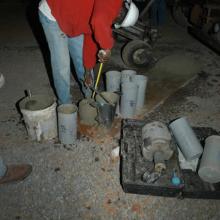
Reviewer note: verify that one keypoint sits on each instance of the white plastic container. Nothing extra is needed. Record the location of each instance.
(67, 123)
(141, 82)
(209, 169)
(39, 113)
(128, 100)
(113, 81)
(186, 139)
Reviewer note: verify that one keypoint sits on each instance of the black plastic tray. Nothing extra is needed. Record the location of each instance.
(133, 165)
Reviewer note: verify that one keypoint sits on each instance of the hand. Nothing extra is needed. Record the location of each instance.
(104, 55)
(88, 78)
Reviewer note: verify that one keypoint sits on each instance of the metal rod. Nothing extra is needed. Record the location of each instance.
(97, 80)
(146, 8)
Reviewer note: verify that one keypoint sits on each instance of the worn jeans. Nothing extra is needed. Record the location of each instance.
(62, 48)
(3, 168)
(158, 12)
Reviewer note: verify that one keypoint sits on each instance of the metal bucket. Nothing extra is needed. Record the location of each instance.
(106, 103)
(39, 113)
(106, 114)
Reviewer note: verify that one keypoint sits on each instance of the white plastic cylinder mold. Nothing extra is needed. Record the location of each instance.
(113, 81)
(141, 82)
(128, 100)
(209, 169)
(127, 75)
(186, 139)
(67, 123)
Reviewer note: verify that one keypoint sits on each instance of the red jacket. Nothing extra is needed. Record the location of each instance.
(93, 18)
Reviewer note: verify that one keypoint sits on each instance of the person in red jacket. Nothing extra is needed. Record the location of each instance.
(77, 29)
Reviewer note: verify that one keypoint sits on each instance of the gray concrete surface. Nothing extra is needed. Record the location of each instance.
(82, 182)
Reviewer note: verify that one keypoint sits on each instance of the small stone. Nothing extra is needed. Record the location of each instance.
(109, 201)
(57, 169)
(88, 207)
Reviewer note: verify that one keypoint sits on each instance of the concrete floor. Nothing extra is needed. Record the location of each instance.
(82, 182)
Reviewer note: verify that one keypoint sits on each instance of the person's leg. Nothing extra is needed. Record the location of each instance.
(60, 59)
(161, 12)
(3, 168)
(154, 13)
(76, 52)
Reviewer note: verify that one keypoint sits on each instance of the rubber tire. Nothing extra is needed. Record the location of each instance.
(134, 48)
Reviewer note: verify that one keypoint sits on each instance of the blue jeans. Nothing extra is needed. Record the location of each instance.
(158, 12)
(62, 48)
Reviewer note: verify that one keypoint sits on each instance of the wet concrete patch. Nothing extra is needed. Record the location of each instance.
(100, 134)
(168, 75)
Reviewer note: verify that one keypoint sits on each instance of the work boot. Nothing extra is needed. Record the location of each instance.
(16, 173)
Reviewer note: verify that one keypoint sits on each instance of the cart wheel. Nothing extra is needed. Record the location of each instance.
(137, 53)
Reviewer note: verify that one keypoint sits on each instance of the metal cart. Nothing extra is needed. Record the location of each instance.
(137, 52)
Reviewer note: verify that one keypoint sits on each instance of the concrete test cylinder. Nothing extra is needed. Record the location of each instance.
(127, 75)
(39, 113)
(186, 139)
(87, 112)
(209, 169)
(128, 100)
(141, 82)
(113, 81)
(67, 123)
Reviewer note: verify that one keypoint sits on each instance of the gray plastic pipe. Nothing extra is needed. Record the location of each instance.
(141, 82)
(186, 139)
(127, 75)
(67, 123)
(209, 170)
(128, 100)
